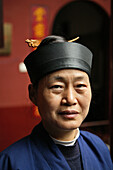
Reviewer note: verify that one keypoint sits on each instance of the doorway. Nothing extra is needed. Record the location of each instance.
(91, 23)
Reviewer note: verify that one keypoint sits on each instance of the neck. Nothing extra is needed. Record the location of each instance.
(62, 135)
(66, 135)
(67, 143)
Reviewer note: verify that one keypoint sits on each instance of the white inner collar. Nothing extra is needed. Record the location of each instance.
(67, 143)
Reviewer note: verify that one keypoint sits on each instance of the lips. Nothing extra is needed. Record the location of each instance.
(69, 114)
(66, 112)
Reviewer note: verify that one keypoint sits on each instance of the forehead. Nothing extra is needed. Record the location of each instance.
(67, 74)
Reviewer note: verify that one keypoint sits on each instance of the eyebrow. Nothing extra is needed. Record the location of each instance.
(59, 78)
(80, 78)
(62, 79)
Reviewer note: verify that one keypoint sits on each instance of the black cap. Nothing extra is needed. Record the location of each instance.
(60, 55)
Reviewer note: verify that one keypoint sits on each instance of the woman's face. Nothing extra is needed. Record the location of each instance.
(63, 99)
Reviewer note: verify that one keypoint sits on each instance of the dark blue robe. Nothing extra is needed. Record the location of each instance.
(38, 152)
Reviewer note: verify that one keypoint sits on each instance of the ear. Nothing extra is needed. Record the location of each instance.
(32, 94)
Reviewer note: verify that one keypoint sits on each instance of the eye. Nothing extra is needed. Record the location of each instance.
(81, 85)
(56, 87)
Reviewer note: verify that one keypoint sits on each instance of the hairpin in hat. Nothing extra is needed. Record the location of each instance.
(35, 43)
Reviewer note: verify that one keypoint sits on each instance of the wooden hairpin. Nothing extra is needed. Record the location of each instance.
(73, 39)
(35, 43)
(32, 43)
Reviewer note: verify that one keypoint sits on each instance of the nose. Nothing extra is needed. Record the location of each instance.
(69, 97)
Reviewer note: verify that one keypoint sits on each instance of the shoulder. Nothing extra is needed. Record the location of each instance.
(93, 139)
(95, 146)
(94, 151)
(23, 145)
(16, 150)
(89, 135)
(17, 146)
(16, 155)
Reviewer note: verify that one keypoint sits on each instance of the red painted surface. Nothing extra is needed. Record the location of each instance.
(15, 123)
(16, 118)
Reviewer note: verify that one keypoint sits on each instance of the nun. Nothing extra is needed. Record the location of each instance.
(60, 74)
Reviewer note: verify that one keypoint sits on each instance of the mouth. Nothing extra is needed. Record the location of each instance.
(69, 114)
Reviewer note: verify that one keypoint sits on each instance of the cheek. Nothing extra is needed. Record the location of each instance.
(85, 102)
(48, 103)
(52, 102)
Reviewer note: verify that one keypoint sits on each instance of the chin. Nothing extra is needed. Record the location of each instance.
(70, 126)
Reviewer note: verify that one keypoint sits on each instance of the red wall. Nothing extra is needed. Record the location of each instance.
(16, 118)
(15, 122)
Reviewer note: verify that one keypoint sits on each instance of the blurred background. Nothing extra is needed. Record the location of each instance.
(91, 20)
